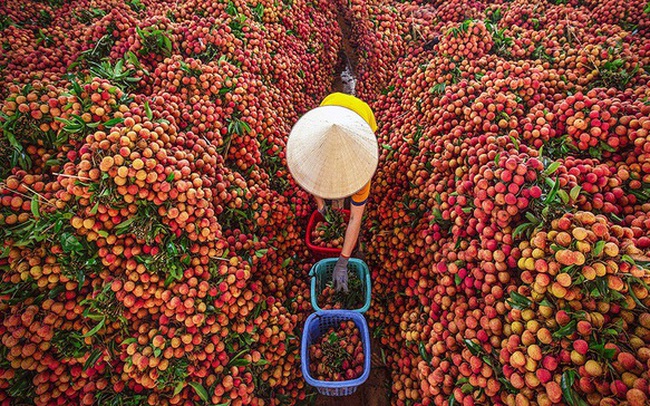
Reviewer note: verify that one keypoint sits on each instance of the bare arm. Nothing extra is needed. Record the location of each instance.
(320, 203)
(354, 226)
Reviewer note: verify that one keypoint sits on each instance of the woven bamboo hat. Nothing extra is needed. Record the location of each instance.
(332, 152)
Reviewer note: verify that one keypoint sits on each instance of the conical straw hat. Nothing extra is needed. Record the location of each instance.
(332, 152)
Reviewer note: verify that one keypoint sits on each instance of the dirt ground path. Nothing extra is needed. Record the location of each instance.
(375, 391)
(348, 58)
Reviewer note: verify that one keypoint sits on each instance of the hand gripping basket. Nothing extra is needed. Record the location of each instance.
(321, 274)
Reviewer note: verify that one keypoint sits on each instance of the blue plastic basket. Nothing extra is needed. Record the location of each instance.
(317, 324)
(321, 274)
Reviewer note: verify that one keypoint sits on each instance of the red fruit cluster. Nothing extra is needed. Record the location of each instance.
(469, 39)
(478, 155)
(320, 235)
(338, 354)
(153, 239)
(590, 121)
(585, 266)
(153, 249)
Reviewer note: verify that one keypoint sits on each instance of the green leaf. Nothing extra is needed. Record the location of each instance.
(609, 353)
(457, 280)
(113, 122)
(129, 340)
(35, 207)
(96, 328)
(91, 262)
(148, 111)
(170, 177)
(598, 248)
(171, 248)
(567, 330)
(261, 253)
(595, 152)
(569, 394)
(286, 262)
(179, 387)
(563, 196)
(200, 390)
(423, 353)
(92, 359)
(69, 243)
(518, 301)
(546, 303)
(634, 298)
(552, 168)
(242, 362)
(575, 192)
(521, 228)
(473, 347)
(466, 388)
(553, 192)
(514, 141)
(628, 259)
(261, 362)
(123, 226)
(506, 383)
(56, 291)
(606, 147)
(93, 211)
(167, 44)
(531, 217)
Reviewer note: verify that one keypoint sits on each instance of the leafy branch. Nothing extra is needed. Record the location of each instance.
(117, 74)
(155, 41)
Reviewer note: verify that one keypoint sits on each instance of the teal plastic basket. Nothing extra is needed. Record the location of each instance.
(321, 274)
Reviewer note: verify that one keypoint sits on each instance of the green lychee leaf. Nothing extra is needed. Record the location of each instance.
(179, 387)
(575, 192)
(200, 390)
(518, 301)
(466, 388)
(567, 330)
(69, 243)
(551, 195)
(552, 168)
(598, 248)
(474, 348)
(148, 111)
(35, 207)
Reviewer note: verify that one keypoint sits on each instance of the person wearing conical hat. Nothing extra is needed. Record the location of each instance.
(332, 153)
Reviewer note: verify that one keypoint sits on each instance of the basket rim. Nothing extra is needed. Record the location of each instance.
(358, 318)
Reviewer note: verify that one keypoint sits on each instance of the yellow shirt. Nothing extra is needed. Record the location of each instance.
(361, 108)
